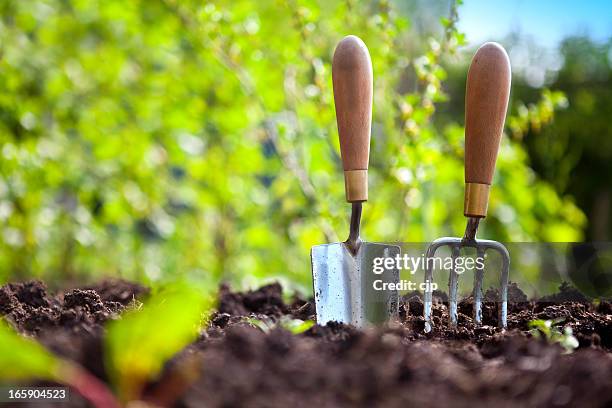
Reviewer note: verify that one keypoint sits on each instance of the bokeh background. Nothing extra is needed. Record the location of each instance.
(158, 139)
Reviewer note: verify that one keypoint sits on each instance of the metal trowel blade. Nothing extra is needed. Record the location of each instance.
(344, 284)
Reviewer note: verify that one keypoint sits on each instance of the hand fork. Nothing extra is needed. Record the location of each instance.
(486, 102)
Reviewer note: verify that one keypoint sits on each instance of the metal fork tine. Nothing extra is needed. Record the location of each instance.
(453, 281)
(503, 294)
(453, 286)
(428, 296)
(478, 278)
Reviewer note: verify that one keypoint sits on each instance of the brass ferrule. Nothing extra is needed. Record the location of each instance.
(476, 200)
(356, 185)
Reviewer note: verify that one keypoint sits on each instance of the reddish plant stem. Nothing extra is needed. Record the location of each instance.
(90, 387)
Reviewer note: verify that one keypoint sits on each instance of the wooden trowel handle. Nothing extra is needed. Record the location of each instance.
(352, 79)
(486, 102)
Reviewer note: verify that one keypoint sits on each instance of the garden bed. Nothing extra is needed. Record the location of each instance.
(243, 358)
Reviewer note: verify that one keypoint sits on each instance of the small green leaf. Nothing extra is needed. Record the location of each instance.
(264, 326)
(296, 326)
(568, 341)
(539, 324)
(22, 358)
(549, 330)
(141, 342)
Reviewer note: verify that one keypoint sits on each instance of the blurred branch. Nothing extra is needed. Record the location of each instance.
(416, 109)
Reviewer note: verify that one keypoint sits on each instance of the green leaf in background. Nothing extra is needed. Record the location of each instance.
(23, 359)
(138, 345)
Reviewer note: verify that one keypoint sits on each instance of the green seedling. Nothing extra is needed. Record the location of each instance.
(27, 360)
(141, 342)
(265, 325)
(553, 333)
(294, 326)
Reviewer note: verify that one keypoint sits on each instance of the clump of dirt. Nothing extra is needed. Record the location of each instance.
(567, 293)
(30, 307)
(68, 323)
(267, 300)
(118, 290)
(32, 293)
(604, 307)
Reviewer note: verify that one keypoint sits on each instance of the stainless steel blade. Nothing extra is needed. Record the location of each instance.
(344, 284)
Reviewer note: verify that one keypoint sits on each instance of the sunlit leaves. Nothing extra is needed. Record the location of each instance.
(537, 115)
(172, 138)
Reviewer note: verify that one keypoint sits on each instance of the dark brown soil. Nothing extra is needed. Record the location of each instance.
(336, 366)
(71, 323)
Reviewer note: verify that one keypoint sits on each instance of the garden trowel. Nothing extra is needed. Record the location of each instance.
(346, 288)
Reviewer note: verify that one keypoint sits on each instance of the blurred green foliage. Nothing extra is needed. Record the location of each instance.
(161, 138)
(574, 153)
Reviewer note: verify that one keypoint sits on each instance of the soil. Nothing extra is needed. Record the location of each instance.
(238, 364)
(68, 323)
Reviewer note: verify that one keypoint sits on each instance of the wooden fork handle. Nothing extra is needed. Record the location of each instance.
(486, 102)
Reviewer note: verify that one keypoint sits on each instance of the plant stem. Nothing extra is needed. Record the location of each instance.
(90, 387)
